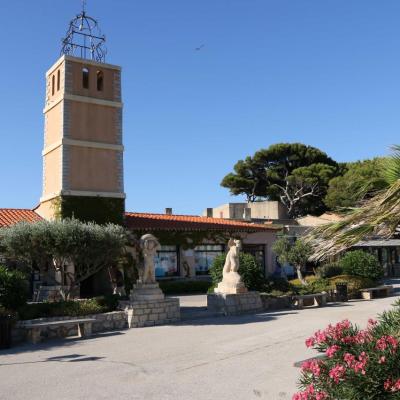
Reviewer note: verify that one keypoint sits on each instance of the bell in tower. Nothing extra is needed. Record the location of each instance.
(83, 150)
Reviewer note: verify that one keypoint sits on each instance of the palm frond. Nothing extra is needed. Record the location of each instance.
(378, 216)
(392, 165)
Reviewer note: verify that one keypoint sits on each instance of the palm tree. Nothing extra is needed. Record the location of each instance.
(376, 216)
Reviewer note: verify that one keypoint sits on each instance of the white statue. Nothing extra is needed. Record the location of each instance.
(232, 258)
(231, 280)
(149, 245)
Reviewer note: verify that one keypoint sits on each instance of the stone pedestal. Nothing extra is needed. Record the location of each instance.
(146, 292)
(148, 306)
(234, 304)
(231, 284)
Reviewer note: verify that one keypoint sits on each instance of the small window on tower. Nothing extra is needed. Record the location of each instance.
(100, 80)
(85, 78)
(58, 80)
(53, 84)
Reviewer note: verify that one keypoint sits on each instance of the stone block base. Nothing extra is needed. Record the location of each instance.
(152, 312)
(146, 292)
(234, 304)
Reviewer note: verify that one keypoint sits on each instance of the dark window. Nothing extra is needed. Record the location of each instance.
(85, 78)
(167, 261)
(204, 256)
(53, 85)
(58, 80)
(100, 80)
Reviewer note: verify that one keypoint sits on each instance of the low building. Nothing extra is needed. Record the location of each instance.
(189, 243)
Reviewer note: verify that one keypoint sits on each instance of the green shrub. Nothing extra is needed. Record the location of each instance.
(110, 301)
(316, 286)
(249, 270)
(329, 270)
(309, 279)
(360, 263)
(354, 283)
(277, 284)
(13, 289)
(71, 308)
(185, 286)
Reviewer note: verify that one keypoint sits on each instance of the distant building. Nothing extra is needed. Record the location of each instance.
(262, 211)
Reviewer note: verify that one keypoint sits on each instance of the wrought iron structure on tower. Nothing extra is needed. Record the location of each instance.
(84, 38)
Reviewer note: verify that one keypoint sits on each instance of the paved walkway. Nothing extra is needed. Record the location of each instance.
(224, 358)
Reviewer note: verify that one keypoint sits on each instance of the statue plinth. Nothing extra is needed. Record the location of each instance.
(146, 292)
(147, 306)
(231, 284)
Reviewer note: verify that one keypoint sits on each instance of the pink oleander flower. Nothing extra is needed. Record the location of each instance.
(392, 386)
(387, 384)
(358, 364)
(312, 366)
(320, 336)
(337, 373)
(310, 394)
(372, 322)
(387, 342)
(396, 386)
(310, 342)
(330, 351)
(349, 359)
(382, 360)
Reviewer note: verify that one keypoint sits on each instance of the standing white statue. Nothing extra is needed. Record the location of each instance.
(231, 280)
(149, 245)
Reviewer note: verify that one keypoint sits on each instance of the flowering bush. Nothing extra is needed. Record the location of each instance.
(357, 364)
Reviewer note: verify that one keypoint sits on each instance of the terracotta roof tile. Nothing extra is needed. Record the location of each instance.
(11, 216)
(145, 221)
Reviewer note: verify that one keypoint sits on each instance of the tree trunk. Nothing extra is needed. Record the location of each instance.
(300, 276)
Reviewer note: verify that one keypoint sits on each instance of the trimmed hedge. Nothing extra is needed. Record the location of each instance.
(71, 308)
(316, 285)
(185, 286)
(354, 283)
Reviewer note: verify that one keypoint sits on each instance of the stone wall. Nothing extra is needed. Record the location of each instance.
(115, 320)
(234, 304)
(276, 303)
(151, 313)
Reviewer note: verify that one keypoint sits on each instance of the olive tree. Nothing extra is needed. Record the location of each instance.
(87, 246)
(295, 253)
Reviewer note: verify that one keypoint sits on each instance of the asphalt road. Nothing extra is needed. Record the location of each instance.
(224, 358)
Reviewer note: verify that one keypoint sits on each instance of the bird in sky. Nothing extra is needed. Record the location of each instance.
(200, 47)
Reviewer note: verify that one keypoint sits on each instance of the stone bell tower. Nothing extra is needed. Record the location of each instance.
(83, 150)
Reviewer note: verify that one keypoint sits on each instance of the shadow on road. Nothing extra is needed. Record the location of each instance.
(53, 343)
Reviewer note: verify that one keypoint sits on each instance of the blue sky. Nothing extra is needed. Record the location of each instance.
(325, 73)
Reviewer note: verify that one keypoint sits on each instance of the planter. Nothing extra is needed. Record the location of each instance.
(5, 331)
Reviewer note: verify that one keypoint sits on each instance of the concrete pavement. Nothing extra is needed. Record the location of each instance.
(224, 358)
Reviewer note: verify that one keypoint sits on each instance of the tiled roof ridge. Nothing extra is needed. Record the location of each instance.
(11, 216)
(17, 209)
(165, 215)
(199, 219)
